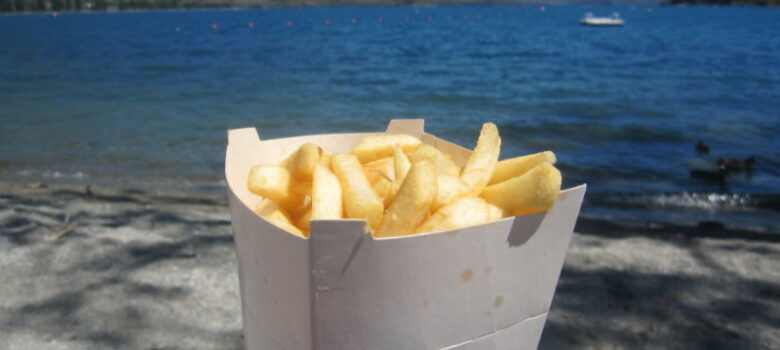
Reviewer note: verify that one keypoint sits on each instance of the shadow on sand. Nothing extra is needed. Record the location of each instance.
(94, 297)
(601, 308)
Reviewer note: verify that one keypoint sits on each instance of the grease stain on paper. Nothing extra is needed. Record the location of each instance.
(498, 302)
(466, 275)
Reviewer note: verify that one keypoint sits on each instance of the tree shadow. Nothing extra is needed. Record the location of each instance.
(86, 311)
(629, 308)
(96, 297)
(641, 310)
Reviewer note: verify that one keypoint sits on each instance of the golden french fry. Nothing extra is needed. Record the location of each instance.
(300, 188)
(381, 146)
(383, 166)
(326, 201)
(384, 189)
(360, 200)
(450, 189)
(301, 221)
(270, 181)
(534, 191)
(380, 174)
(325, 159)
(509, 168)
(479, 168)
(288, 162)
(303, 165)
(269, 210)
(401, 166)
(412, 202)
(373, 175)
(443, 162)
(464, 212)
(495, 212)
(299, 204)
(274, 182)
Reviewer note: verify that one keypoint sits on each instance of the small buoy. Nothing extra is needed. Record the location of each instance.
(250, 24)
(541, 8)
(407, 19)
(214, 26)
(289, 23)
(478, 17)
(178, 29)
(380, 19)
(429, 18)
(354, 20)
(326, 21)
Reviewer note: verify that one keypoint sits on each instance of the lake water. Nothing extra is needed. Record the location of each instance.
(143, 98)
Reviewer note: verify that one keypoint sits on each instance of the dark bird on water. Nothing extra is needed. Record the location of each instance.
(710, 176)
(701, 148)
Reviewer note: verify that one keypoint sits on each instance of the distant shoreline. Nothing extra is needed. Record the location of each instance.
(171, 5)
(86, 6)
(304, 4)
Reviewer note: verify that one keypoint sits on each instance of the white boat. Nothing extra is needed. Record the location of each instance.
(613, 20)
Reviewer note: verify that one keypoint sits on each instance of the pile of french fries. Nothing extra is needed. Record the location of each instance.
(402, 186)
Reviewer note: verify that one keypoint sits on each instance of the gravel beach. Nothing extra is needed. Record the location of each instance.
(97, 268)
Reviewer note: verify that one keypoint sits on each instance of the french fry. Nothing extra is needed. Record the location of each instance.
(401, 166)
(534, 191)
(495, 212)
(480, 165)
(301, 221)
(303, 165)
(360, 200)
(326, 198)
(380, 174)
(412, 202)
(381, 146)
(325, 160)
(384, 189)
(300, 188)
(384, 167)
(373, 175)
(270, 181)
(288, 162)
(509, 168)
(450, 189)
(276, 216)
(464, 212)
(443, 162)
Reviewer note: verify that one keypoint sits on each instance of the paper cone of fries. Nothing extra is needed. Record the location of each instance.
(483, 287)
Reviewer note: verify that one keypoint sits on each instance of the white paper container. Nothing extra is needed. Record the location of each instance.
(483, 287)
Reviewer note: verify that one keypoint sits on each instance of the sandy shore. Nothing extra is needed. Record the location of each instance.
(89, 268)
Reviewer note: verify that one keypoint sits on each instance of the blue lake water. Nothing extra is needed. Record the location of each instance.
(145, 97)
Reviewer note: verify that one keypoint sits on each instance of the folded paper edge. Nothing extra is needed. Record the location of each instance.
(414, 127)
(498, 331)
